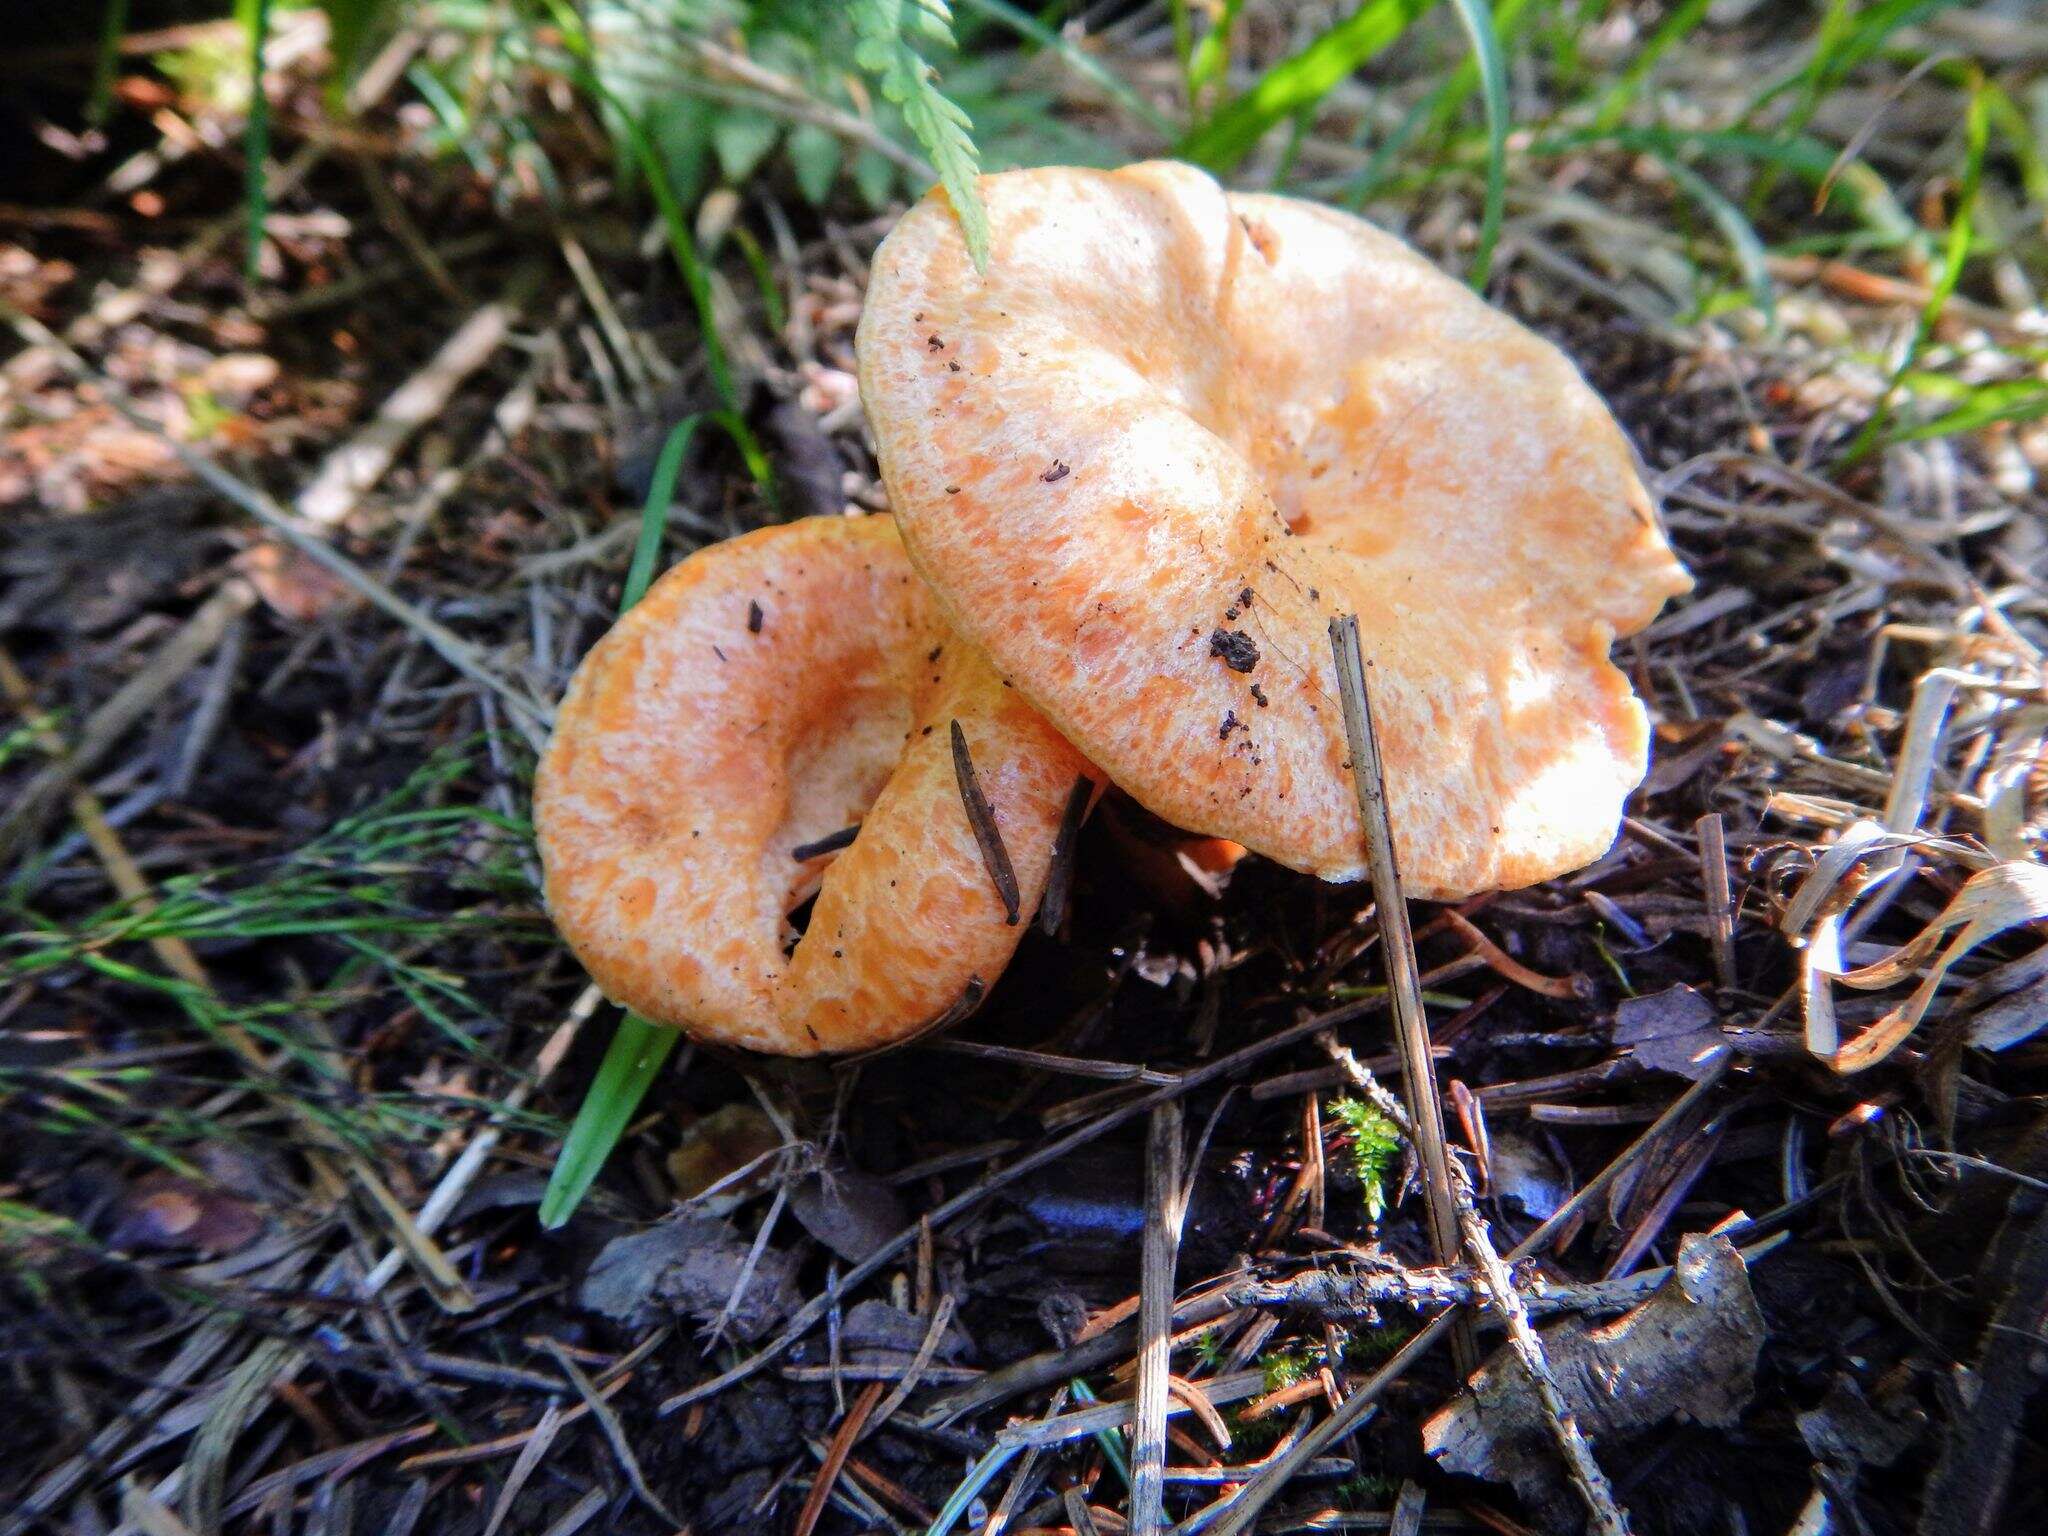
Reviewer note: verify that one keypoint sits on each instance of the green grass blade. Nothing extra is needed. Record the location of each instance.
(1668, 147)
(1029, 27)
(1812, 161)
(1955, 253)
(1183, 45)
(979, 1476)
(636, 1055)
(1298, 82)
(1868, 30)
(1675, 29)
(2028, 149)
(452, 116)
(1987, 405)
(682, 246)
(758, 468)
(681, 243)
(256, 140)
(1381, 166)
(661, 493)
(1846, 38)
(113, 27)
(1115, 1443)
(772, 307)
(1212, 53)
(1438, 111)
(350, 24)
(1476, 16)
(1743, 241)
(1809, 79)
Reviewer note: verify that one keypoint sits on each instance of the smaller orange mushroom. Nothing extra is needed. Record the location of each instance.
(784, 716)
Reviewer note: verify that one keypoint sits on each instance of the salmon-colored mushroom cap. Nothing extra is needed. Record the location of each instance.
(765, 694)
(1173, 431)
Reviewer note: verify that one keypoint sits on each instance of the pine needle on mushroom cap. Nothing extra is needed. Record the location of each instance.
(1172, 431)
(768, 694)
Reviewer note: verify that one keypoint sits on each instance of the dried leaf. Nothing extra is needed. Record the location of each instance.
(1525, 1173)
(717, 1146)
(1993, 902)
(1848, 1431)
(2005, 783)
(1859, 841)
(1861, 860)
(691, 1265)
(850, 1212)
(876, 1332)
(296, 588)
(166, 1210)
(1689, 1352)
(1677, 1030)
(2018, 1002)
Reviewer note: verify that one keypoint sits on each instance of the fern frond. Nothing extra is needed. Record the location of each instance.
(883, 46)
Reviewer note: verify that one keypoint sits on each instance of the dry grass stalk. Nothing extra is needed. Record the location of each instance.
(1165, 1207)
(1720, 903)
(1397, 941)
(835, 1457)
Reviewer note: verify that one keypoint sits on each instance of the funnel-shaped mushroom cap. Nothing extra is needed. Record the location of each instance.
(766, 694)
(1172, 432)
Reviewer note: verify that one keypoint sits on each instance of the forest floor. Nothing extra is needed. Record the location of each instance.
(294, 565)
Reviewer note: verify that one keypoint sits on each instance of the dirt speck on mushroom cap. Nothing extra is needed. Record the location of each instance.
(1255, 392)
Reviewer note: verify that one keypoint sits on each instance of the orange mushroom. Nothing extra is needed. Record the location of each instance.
(1173, 431)
(715, 748)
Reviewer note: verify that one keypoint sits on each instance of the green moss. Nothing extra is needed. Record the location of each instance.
(1286, 1367)
(1368, 1348)
(1366, 1490)
(1373, 1144)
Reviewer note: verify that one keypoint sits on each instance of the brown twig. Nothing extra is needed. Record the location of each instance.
(186, 646)
(86, 810)
(1087, 1421)
(1606, 1515)
(1508, 1305)
(490, 1450)
(290, 528)
(348, 472)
